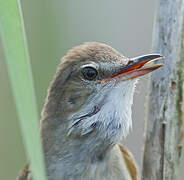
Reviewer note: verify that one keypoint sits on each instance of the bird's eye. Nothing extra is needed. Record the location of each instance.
(89, 73)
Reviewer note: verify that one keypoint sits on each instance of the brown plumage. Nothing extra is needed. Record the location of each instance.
(131, 164)
(88, 112)
(25, 173)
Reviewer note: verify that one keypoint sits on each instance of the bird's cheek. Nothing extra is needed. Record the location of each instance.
(75, 102)
(76, 99)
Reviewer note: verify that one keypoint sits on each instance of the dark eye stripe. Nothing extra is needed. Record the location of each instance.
(89, 73)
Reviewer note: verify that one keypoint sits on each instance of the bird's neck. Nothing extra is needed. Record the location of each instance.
(72, 157)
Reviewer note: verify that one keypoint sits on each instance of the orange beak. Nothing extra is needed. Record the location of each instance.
(134, 68)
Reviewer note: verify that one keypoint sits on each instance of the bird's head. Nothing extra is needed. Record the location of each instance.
(93, 91)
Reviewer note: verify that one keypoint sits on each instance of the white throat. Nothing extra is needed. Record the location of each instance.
(116, 114)
(114, 119)
(113, 123)
(117, 111)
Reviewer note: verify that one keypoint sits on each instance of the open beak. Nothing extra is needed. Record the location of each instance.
(135, 68)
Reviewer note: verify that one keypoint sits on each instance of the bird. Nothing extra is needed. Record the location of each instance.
(87, 114)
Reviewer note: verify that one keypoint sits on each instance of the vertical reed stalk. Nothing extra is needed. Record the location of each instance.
(15, 47)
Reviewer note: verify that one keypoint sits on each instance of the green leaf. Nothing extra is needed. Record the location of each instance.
(14, 42)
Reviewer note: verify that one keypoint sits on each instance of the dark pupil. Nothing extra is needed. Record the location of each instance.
(89, 73)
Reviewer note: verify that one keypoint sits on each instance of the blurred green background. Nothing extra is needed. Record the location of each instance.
(52, 28)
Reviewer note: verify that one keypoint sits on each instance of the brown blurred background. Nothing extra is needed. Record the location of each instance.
(52, 28)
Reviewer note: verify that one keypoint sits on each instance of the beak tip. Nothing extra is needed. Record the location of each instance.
(160, 56)
(156, 56)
